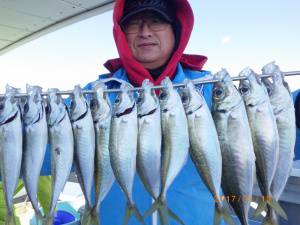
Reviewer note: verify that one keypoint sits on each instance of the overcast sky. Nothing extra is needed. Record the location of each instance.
(233, 34)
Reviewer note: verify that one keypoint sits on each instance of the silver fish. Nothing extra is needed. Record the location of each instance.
(123, 148)
(175, 146)
(205, 147)
(10, 148)
(104, 177)
(62, 147)
(149, 151)
(84, 155)
(283, 109)
(35, 143)
(238, 159)
(264, 135)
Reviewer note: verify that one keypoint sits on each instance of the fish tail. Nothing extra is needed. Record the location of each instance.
(95, 217)
(87, 216)
(260, 208)
(270, 219)
(163, 212)
(222, 212)
(130, 211)
(39, 218)
(10, 219)
(48, 220)
(275, 205)
(269, 201)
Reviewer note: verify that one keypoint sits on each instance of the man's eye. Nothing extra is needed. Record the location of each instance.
(133, 22)
(156, 21)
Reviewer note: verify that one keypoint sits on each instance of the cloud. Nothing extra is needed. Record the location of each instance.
(226, 39)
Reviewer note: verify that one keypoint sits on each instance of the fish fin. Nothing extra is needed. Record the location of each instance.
(164, 215)
(39, 217)
(270, 219)
(160, 216)
(217, 216)
(174, 216)
(130, 211)
(275, 205)
(48, 220)
(86, 217)
(164, 212)
(222, 212)
(95, 218)
(152, 209)
(10, 219)
(261, 207)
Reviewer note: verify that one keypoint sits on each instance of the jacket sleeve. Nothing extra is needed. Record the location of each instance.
(296, 97)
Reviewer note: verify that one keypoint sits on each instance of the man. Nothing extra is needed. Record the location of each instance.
(151, 36)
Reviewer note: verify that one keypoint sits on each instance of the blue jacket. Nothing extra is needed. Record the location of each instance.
(297, 145)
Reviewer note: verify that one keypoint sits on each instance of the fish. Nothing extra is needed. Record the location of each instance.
(11, 139)
(205, 147)
(264, 135)
(283, 109)
(104, 177)
(61, 145)
(238, 158)
(149, 129)
(85, 144)
(123, 148)
(35, 143)
(175, 147)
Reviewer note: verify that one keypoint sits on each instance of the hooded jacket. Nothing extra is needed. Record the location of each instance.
(135, 71)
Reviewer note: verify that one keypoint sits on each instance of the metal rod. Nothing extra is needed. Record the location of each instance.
(197, 81)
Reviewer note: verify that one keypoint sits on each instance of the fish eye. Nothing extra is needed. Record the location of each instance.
(26, 107)
(163, 96)
(48, 109)
(72, 105)
(244, 90)
(269, 90)
(218, 92)
(118, 99)
(1, 107)
(139, 100)
(94, 104)
(184, 98)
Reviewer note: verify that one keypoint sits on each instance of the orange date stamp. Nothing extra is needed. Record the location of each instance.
(241, 198)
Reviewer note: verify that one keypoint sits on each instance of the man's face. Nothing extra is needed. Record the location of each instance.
(150, 39)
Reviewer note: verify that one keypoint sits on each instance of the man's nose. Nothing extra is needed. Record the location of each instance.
(145, 30)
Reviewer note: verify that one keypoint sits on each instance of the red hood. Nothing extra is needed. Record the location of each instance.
(136, 72)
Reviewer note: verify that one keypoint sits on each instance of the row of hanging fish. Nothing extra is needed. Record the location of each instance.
(250, 131)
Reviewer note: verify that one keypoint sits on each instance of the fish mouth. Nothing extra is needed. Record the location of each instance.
(83, 115)
(126, 111)
(52, 125)
(147, 114)
(192, 111)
